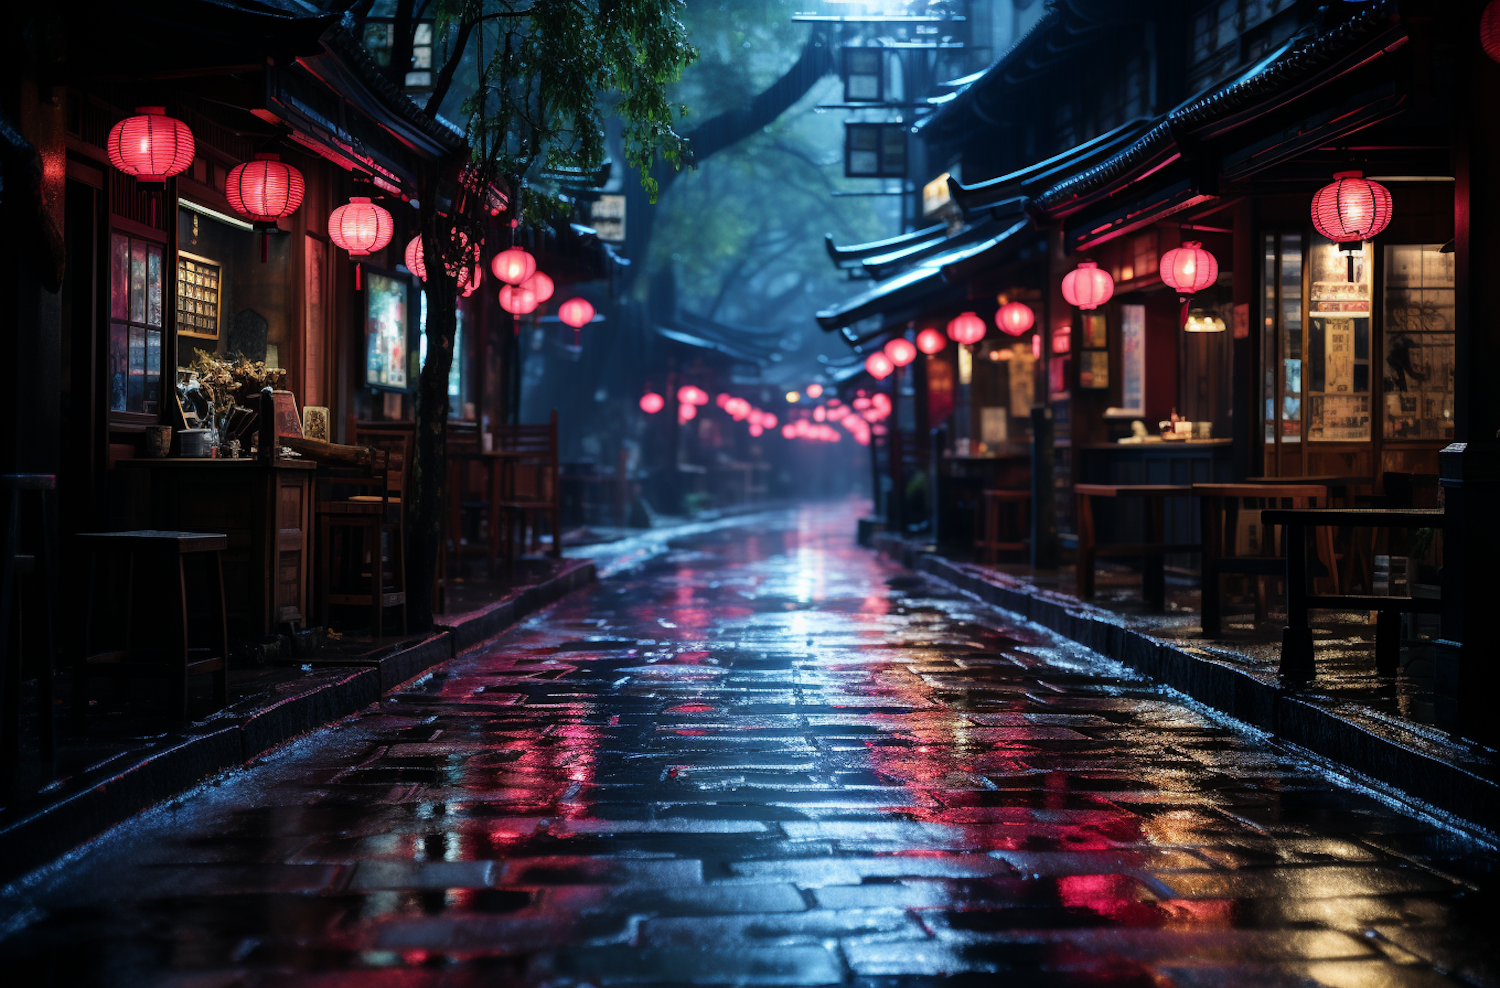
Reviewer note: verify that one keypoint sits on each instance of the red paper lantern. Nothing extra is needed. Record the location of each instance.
(1489, 30)
(1015, 318)
(686, 413)
(518, 301)
(651, 403)
(541, 284)
(967, 328)
(879, 365)
(151, 145)
(360, 227)
(901, 351)
(930, 341)
(264, 190)
(1087, 287)
(1189, 268)
(814, 390)
(576, 312)
(767, 420)
(691, 395)
(513, 265)
(1351, 209)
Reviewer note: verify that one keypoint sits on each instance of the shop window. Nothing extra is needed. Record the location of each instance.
(135, 324)
(1337, 366)
(1417, 319)
(458, 391)
(1282, 356)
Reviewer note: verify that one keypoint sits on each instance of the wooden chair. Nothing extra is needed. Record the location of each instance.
(529, 489)
(992, 505)
(1152, 551)
(361, 536)
(164, 556)
(1220, 501)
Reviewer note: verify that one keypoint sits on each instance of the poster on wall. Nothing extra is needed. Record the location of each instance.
(385, 332)
(1022, 380)
(1133, 359)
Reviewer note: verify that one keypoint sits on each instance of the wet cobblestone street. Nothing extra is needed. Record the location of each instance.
(769, 757)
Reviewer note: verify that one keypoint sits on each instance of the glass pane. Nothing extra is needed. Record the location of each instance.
(135, 384)
(1417, 371)
(153, 371)
(1338, 342)
(119, 365)
(153, 285)
(1268, 339)
(137, 281)
(119, 276)
(1291, 336)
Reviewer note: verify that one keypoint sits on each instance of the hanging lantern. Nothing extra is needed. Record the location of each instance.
(518, 301)
(1189, 269)
(690, 395)
(686, 413)
(1352, 208)
(1087, 287)
(264, 190)
(360, 227)
(967, 329)
(1015, 318)
(1489, 30)
(814, 390)
(151, 146)
(879, 365)
(901, 351)
(541, 284)
(513, 265)
(651, 403)
(414, 262)
(576, 312)
(930, 341)
(767, 420)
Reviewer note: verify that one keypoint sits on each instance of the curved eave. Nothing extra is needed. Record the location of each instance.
(1042, 174)
(917, 285)
(1297, 68)
(854, 253)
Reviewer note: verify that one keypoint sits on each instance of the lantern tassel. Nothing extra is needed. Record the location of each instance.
(357, 266)
(1186, 302)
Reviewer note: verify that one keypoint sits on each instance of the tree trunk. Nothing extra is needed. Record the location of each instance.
(429, 477)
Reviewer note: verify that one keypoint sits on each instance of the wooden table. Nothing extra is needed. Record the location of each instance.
(1213, 502)
(495, 462)
(1152, 551)
(265, 510)
(1296, 640)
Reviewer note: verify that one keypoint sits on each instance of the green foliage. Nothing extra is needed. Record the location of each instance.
(546, 74)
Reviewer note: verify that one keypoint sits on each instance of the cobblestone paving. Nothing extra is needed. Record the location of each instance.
(769, 758)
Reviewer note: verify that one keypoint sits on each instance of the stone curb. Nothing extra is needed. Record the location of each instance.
(1432, 777)
(137, 780)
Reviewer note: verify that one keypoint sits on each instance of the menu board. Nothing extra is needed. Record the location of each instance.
(198, 281)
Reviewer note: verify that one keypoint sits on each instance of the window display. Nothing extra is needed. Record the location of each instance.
(1418, 359)
(1338, 343)
(135, 329)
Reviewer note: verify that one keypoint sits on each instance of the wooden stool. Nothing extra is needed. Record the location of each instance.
(989, 512)
(1152, 551)
(40, 561)
(177, 659)
(367, 525)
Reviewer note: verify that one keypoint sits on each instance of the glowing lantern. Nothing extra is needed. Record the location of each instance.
(513, 265)
(756, 431)
(930, 341)
(861, 403)
(686, 413)
(966, 329)
(879, 365)
(360, 227)
(1351, 209)
(901, 351)
(466, 272)
(1189, 268)
(151, 145)
(722, 398)
(820, 414)
(814, 390)
(576, 312)
(787, 432)
(264, 190)
(518, 301)
(541, 284)
(1015, 318)
(651, 403)
(1087, 287)
(1489, 30)
(690, 395)
(768, 421)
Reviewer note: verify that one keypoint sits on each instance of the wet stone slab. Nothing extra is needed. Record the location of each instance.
(769, 758)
